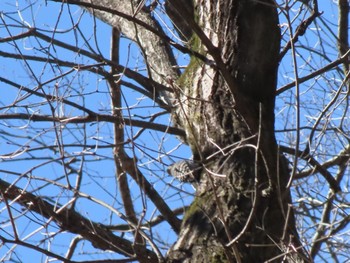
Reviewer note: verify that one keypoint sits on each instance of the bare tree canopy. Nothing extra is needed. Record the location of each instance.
(174, 131)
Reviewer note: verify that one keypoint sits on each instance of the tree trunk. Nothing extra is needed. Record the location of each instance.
(242, 210)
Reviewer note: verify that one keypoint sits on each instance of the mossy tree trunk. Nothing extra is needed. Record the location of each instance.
(242, 210)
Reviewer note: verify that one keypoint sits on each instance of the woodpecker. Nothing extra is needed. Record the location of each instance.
(186, 171)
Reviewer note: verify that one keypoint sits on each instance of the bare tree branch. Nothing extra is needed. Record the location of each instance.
(71, 221)
(317, 166)
(93, 118)
(343, 41)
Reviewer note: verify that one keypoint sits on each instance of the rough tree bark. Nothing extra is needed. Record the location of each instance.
(225, 104)
(242, 211)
